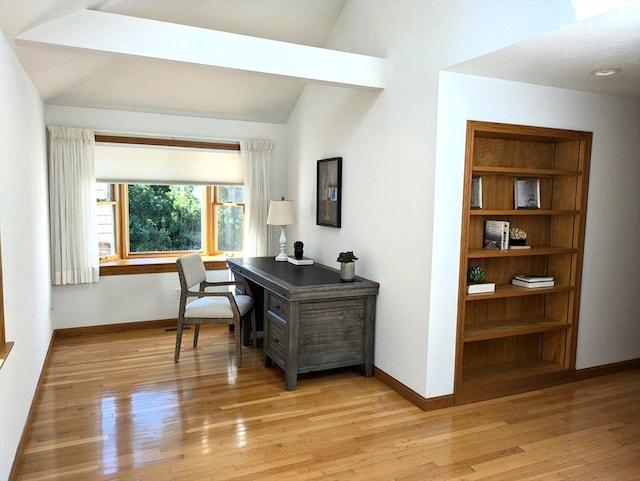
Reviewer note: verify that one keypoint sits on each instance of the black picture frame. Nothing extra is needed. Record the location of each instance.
(329, 192)
(526, 193)
(476, 193)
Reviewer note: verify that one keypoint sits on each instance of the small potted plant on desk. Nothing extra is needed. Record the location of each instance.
(347, 265)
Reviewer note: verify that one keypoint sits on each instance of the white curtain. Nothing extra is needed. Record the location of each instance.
(256, 155)
(72, 204)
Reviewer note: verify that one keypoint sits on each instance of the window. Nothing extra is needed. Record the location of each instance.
(164, 218)
(228, 210)
(156, 220)
(164, 197)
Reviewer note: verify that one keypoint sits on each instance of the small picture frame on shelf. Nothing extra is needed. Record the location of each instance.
(476, 193)
(526, 193)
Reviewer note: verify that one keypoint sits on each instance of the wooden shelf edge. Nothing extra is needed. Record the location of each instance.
(478, 253)
(521, 212)
(509, 290)
(512, 328)
(521, 377)
(522, 171)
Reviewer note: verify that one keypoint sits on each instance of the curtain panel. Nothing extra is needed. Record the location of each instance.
(72, 205)
(256, 156)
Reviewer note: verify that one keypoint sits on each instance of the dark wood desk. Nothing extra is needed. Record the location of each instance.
(312, 320)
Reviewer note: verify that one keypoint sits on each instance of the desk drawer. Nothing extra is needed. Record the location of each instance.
(276, 343)
(277, 305)
(331, 334)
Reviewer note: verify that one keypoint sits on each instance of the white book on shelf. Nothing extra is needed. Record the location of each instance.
(532, 285)
(526, 278)
(481, 287)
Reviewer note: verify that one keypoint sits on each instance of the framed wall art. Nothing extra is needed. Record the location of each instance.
(527, 193)
(476, 193)
(329, 192)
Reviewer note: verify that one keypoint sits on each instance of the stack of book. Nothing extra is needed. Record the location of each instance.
(532, 282)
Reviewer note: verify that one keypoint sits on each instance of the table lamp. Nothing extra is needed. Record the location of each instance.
(281, 213)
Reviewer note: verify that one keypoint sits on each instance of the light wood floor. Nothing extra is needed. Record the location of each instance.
(116, 407)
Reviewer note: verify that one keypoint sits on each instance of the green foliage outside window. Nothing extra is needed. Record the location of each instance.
(164, 218)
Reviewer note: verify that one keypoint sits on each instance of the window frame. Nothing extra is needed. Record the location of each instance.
(209, 236)
(213, 202)
(116, 196)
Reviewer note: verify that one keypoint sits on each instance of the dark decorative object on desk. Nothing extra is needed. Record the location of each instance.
(298, 251)
(347, 265)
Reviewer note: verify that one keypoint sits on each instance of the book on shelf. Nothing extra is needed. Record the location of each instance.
(305, 261)
(526, 278)
(519, 247)
(481, 287)
(496, 235)
(532, 285)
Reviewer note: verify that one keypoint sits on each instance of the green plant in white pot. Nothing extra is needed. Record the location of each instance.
(475, 274)
(347, 262)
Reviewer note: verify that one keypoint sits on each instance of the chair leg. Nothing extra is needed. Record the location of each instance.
(176, 355)
(196, 332)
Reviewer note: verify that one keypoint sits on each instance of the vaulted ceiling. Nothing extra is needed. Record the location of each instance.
(119, 60)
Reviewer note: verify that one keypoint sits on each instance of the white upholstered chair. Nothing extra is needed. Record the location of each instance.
(209, 307)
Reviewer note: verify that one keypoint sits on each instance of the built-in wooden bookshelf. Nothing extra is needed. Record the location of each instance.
(517, 339)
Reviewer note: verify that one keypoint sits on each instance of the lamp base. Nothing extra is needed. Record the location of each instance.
(282, 257)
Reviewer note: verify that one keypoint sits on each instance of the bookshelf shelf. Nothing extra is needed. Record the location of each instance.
(533, 251)
(523, 172)
(509, 290)
(520, 212)
(510, 328)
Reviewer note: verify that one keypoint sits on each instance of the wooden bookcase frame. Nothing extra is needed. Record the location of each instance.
(517, 339)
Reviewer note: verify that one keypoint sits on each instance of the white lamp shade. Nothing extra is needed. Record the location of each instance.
(281, 212)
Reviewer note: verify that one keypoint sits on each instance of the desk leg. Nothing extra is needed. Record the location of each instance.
(293, 332)
(369, 327)
(265, 329)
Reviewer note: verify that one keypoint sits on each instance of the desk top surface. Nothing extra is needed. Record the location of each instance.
(293, 275)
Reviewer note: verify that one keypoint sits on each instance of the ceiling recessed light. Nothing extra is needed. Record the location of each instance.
(605, 72)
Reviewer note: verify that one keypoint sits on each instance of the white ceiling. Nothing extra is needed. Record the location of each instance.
(92, 78)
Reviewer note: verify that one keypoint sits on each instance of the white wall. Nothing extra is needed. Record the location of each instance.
(24, 227)
(402, 172)
(608, 327)
(142, 297)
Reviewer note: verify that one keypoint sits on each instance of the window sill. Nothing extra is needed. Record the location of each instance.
(155, 265)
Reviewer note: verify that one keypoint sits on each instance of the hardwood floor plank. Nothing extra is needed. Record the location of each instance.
(116, 407)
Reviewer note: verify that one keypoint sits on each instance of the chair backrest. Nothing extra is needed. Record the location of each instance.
(191, 270)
